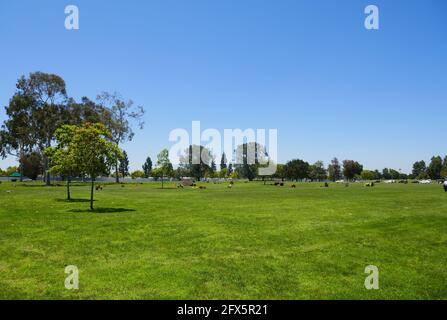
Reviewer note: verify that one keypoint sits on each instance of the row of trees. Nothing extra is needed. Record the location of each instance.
(296, 169)
(41, 105)
(436, 169)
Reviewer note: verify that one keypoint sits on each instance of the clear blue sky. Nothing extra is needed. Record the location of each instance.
(308, 68)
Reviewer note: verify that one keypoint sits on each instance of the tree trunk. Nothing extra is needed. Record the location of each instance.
(91, 193)
(46, 172)
(21, 166)
(162, 181)
(117, 175)
(47, 179)
(21, 172)
(68, 189)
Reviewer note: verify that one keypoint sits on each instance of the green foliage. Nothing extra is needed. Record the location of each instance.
(249, 157)
(157, 173)
(197, 160)
(223, 161)
(223, 173)
(368, 175)
(419, 169)
(137, 174)
(435, 167)
(84, 150)
(92, 150)
(163, 161)
(334, 170)
(164, 164)
(124, 165)
(280, 172)
(444, 168)
(297, 169)
(230, 168)
(11, 170)
(8, 171)
(31, 165)
(121, 115)
(317, 172)
(147, 167)
(351, 168)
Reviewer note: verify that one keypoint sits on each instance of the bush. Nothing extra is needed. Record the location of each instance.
(137, 174)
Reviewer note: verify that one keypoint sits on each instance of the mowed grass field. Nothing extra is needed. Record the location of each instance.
(248, 242)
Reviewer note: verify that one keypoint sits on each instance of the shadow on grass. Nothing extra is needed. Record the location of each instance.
(74, 200)
(103, 210)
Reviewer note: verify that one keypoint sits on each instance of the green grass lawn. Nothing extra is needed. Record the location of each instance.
(248, 242)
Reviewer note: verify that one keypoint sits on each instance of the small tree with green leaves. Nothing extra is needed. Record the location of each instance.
(137, 174)
(93, 152)
(61, 159)
(164, 164)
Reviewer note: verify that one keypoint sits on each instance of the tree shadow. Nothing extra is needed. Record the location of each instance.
(102, 210)
(74, 200)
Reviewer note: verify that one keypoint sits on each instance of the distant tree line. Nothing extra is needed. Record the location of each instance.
(295, 169)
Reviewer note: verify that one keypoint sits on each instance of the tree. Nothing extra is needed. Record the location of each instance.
(61, 157)
(368, 175)
(16, 135)
(122, 113)
(164, 164)
(180, 172)
(124, 165)
(147, 167)
(230, 168)
(223, 173)
(419, 169)
(249, 157)
(280, 172)
(157, 173)
(93, 152)
(435, 167)
(444, 168)
(87, 111)
(317, 171)
(8, 171)
(137, 174)
(395, 174)
(377, 175)
(46, 95)
(213, 166)
(297, 169)
(31, 165)
(386, 173)
(334, 170)
(351, 168)
(197, 160)
(223, 161)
